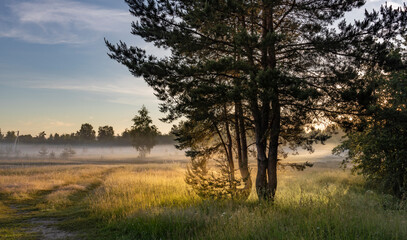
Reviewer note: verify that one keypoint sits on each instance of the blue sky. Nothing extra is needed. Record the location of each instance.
(55, 73)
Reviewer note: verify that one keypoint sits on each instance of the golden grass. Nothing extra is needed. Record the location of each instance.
(21, 183)
(318, 203)
(152, 201)
(133, 189)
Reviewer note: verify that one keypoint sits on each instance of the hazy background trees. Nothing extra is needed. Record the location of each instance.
(106, 135)
(10, 137)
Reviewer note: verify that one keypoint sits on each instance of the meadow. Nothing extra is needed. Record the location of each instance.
(150, 200)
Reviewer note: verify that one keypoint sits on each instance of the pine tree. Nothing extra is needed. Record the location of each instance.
(279, 62)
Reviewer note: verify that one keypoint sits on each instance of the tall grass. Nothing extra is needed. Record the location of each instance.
(314, 204)
(153, 202)
(132, 190)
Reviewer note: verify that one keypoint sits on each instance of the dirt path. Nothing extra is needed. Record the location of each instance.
(38, 227)
(47, 230)
(27, 219)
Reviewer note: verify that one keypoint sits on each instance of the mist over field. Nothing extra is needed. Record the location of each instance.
(29, 155)
(85, 151)
(42, 154)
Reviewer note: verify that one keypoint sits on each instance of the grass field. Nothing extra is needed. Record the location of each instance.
(152, 201)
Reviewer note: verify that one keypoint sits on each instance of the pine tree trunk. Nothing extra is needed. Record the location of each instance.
(262, 161)
(245, 157)
(238, 139)
(266, 182)
(229, 152)
(261, 179)
(273, 148)
(241, 143)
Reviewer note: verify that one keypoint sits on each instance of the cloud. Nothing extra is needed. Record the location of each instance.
(119, 89)
(60, 124)
(61, 21)
(132, 101)
(123, 87)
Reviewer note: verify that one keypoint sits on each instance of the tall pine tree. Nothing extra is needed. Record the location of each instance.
(277, 65)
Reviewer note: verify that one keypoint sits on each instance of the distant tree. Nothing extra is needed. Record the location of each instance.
(143, 132)
(50, 138)
(26, 138)
(124, 138)
(86, 132)
(67, 138)
(166, 139)
(376, 142)
(41, 137)
(56, 138)
(10, 136)
(105, 133)
(126, 133)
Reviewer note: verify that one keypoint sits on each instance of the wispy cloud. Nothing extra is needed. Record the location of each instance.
(60, 124)
(61, 21)
(124, 86)
(119, 89)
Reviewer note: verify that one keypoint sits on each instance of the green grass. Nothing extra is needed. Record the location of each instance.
(153, 202)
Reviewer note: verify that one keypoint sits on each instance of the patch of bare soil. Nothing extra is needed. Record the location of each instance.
(47, 230)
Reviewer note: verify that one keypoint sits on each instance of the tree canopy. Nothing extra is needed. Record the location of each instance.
(105, 133)
(86, 132)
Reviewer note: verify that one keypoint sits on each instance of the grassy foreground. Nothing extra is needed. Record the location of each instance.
(153, 202)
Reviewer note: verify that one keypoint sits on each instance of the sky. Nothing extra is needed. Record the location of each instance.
(55, 73)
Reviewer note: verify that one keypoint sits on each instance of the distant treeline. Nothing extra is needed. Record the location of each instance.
(85, 135)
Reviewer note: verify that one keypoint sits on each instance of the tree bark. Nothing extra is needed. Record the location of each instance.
(273, 149)
(242, 146)
(262, 161)
(229, 153)
(275, 118)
